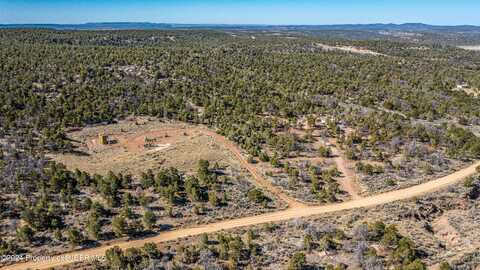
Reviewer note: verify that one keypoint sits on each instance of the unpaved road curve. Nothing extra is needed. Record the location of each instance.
(291, 213)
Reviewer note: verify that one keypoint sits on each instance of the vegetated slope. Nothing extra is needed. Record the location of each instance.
(295, 212)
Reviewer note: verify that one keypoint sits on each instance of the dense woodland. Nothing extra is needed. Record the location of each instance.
(52, 81)
(55, 80)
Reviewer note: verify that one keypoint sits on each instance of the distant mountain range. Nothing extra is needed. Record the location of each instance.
(346, 27)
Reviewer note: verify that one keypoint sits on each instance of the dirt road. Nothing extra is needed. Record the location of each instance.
(291, 213)
(258, 179)
(348, 182)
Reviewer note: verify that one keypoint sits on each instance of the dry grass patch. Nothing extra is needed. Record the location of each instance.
(137, 145)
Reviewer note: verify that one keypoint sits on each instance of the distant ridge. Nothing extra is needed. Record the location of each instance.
(160, 26)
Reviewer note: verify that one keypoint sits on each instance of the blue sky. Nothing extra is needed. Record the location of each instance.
(440, 12)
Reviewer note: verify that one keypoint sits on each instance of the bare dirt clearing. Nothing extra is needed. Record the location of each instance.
(446, 232)
(348, 182)
(470, 48)
(349, 49)
(138, 145)
(467, 89)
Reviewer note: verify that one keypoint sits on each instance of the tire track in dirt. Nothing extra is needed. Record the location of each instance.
(258, 179)
(348, 182)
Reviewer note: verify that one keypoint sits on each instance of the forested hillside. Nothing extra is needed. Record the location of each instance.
(418, 101)
(54, 80)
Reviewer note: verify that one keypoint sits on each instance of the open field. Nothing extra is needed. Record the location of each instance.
(171, 145)
(470, 48)
(349, 49)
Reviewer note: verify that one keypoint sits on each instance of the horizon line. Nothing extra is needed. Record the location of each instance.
(239, 24)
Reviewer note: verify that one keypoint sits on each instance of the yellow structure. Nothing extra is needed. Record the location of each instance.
(103, 139)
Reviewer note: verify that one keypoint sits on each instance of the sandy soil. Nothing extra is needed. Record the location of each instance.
(171, 145)
(467, 89)
(348, 182)
(292, 213)
(349, 49)
(446, 232)
(470, 48)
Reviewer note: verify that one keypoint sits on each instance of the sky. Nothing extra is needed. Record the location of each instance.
(438, 12)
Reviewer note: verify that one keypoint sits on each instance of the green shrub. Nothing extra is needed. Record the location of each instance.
(297, 262)
(325, 151)
(74, 236)
(445, 266)
(256, 195)
(25, 234)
